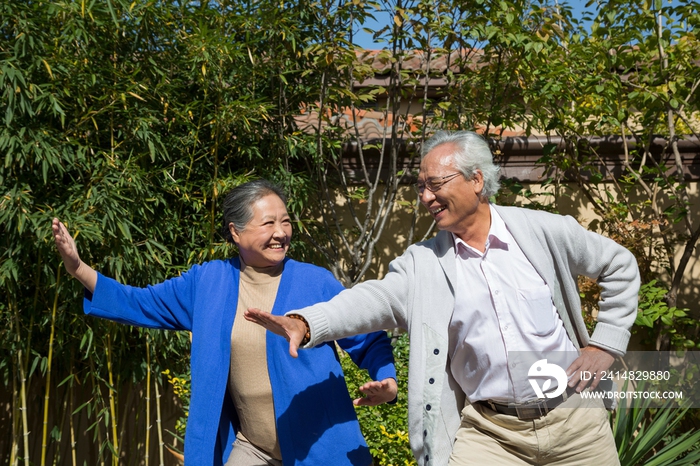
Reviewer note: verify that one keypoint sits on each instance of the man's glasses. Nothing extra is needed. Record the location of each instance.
(433, 184)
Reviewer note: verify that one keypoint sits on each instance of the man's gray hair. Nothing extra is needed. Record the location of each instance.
(239, 201)
(473, 153)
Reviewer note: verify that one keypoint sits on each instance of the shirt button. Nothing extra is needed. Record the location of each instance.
(427, 407)
(425, 433)
(505, 327)
(427, 458)
(496, 292)
(436, 351)
(431, 381)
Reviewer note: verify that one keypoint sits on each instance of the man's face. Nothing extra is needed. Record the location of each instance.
(455, 202)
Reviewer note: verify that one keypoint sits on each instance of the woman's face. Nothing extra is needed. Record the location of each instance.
(265, 240)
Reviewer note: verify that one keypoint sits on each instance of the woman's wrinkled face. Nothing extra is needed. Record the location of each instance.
(265, 240)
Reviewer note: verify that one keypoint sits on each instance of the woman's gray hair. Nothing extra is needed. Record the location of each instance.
(473, 153)
(239, 201)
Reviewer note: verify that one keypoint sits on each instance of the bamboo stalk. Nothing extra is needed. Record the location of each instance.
(98, 398)
(112, 402)
(158, 423)
(14, 449)
(148, 398)
(22, 391)
(23, 398)
(47, 392)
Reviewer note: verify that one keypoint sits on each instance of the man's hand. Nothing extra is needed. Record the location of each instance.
(377, 393)
(593, 360)
(293, 330)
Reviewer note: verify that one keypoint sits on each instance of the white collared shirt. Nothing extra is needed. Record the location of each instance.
(504, 306)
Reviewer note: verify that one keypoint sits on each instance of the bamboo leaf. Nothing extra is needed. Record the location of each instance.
(133, 94)
(48, 68)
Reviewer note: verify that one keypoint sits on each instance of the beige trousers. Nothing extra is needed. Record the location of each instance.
(576, 433)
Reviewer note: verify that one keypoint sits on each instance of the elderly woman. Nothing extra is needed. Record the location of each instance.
(278, 410)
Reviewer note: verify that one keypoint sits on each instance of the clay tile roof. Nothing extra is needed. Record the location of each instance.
(374, 123)
(380, 60)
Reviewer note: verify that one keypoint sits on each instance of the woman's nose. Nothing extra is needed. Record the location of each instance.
(280, 231)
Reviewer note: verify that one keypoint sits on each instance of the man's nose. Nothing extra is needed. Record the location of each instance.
(426, 196)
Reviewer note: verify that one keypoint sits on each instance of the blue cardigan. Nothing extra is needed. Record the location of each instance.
(316, 421)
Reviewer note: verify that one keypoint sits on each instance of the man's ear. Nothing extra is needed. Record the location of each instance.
(478, 180)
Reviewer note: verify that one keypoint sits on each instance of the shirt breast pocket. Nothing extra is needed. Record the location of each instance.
(536, 310)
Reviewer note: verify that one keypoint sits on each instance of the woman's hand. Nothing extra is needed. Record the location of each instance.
(377, 393)
(71, 259)
(293, 330)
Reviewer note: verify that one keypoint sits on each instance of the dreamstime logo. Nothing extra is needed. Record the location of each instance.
(541, 370)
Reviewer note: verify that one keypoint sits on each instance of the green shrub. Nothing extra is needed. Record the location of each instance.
(385, 427)
(653, 436)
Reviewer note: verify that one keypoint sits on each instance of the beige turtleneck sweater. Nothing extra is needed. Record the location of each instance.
(249, 381)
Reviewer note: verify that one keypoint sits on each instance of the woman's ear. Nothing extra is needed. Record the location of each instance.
(234, 233)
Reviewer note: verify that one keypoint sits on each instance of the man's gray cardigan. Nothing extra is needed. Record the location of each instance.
(417, 294)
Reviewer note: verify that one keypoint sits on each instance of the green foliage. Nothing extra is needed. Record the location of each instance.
(632, 78)
(385, 427)
(654, 311)
(650, 436)
(130, 119)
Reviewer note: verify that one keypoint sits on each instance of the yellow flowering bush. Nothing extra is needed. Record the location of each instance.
(182, 388)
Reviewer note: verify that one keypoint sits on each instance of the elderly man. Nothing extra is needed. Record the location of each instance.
(495, 283)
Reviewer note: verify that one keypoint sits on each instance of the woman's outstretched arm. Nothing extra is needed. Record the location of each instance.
(71, 259)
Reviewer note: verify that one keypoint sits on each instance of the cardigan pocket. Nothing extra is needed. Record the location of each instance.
(536, 310)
